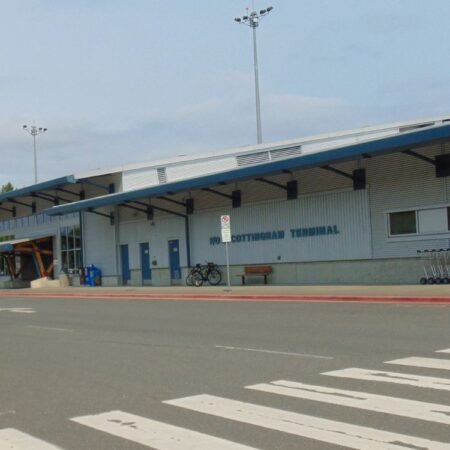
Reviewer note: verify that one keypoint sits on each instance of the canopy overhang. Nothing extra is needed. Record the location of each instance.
(407, 140)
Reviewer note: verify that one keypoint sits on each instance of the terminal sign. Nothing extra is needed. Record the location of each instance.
(225, 228)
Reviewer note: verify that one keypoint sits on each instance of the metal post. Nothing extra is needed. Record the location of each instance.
(34, 131)
(258, 106)
(252, 20)
(35, 159)
(228, 267)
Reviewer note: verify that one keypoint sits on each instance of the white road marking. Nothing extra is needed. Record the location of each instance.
(19, 310)
(330, 431)
(431, 412)
(49, 328)
(429, 363)
(447, 350)
(442, 384)
(4, 413)
(155, 434)
(12, 439)
(304, 355)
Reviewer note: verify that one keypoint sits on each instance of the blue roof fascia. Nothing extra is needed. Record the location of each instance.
(391, 144)
(45, 185)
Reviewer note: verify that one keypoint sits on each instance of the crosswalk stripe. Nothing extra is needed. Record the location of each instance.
(371, 402)
(158, 435)
(324, 430)
(447, 350)
(429, 363)
(13, 439)
(354, 373)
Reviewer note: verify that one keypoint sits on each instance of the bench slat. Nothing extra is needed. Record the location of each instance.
(258, 269)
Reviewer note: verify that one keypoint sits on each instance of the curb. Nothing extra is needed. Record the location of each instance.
(236, 297)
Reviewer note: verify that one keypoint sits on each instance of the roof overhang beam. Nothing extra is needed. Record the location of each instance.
(109, 216)
(110, 188)
(27, 205)
(50, 198)
(81, 195)
(12, 210)
(358, 176)
(159, 208)
(291, 187)
(235, 197)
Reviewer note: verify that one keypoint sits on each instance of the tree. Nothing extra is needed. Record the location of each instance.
(8, 187)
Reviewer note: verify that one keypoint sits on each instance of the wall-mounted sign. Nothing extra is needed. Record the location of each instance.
(294, 233)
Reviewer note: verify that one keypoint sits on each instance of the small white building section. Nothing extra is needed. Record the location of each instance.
(348, 207)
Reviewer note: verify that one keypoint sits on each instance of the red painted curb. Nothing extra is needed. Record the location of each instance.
(236, 297)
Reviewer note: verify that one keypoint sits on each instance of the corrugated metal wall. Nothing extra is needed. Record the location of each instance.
(395, 182)
(401, 181)
(157, 233)
(99, 243)
(347, 210)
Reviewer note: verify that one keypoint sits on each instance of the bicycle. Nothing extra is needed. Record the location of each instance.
(199, 274)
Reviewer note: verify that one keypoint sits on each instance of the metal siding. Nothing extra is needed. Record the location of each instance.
(157, 235)
(139, 178)
(400, 182)
(99, 243)
(184, 171)
(347, 209)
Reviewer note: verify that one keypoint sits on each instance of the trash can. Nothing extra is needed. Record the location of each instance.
(94, 277)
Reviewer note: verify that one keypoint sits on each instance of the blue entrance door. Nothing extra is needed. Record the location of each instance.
(125, 262)
(145, 261)
(174, 260)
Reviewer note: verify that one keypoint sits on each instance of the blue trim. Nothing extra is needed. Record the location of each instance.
(27, 191)
(399, 142)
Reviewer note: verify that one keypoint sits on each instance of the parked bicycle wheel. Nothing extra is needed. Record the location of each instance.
(197, 278)
(214, 277)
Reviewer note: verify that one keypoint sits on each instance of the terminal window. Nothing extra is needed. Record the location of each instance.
(404, 222)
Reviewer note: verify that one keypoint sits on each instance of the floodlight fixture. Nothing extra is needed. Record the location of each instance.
(252, 20)
(34, 131)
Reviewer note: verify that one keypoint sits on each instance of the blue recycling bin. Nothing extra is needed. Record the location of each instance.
(94, 276)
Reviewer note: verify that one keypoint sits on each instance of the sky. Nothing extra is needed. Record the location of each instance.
(117, 82)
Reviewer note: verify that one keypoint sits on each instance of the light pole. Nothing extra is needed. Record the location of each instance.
(252, 20)
(34, 131)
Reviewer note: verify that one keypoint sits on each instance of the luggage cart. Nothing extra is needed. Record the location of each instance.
(429, 269)
(446, 265)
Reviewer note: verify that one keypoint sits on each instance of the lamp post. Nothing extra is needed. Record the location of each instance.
(252, 20)
(34, 131)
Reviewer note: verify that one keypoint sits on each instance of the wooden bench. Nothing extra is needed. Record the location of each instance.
(262, 271)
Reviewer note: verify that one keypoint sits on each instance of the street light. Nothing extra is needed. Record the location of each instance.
(34, 131)
(252, 20)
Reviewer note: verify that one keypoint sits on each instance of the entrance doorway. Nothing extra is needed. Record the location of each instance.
(125, 263)
(144, 250)
(174, 261)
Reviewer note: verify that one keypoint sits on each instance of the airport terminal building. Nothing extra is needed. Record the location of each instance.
(343, 208)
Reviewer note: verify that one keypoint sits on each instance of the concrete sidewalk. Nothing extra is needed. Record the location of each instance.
(407, 293)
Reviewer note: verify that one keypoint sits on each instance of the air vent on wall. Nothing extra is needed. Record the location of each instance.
(253, 158)
(286, 152)
(162, 177)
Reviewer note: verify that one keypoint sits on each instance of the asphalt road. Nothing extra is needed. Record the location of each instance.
(69, 358)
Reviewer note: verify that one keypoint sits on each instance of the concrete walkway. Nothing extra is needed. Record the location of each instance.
(408, 293)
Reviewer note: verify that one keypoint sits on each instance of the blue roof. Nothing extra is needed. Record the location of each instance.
(391, 144)
(45, 185)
